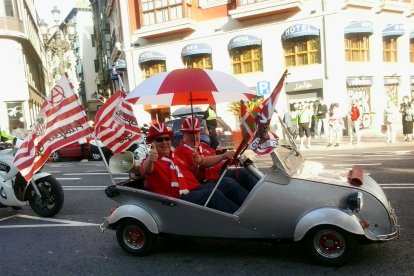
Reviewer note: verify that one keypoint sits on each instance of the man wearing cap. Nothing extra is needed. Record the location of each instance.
(205, 163)
(354, 116)
(165, 176)
(210, 121)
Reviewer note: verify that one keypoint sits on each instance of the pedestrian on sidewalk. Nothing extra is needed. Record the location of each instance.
(336, 125)
(407, 118)
(353, 129)
(322, 121)
(291, 122)
(305, 120)
(390, 121)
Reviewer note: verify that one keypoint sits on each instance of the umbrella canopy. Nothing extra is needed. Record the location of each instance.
(189, 86)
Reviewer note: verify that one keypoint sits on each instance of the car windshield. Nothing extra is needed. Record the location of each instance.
(287, 155)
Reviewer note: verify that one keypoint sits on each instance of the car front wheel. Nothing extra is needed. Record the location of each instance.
(330, 245)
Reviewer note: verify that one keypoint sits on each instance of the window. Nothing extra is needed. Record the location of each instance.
(247, 59)
(152, 67)
(198, 61)
(158, 11)
(93, 40)
(7, 8)
(357, 48)
(302, 51)
(389, 49)
(412, 50)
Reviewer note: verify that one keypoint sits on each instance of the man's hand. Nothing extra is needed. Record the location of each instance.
(153, 154)
(197, 159)
(228, 155)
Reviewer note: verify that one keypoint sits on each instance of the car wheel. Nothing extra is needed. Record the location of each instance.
(134, 237)
(56, 156)
(330, 245)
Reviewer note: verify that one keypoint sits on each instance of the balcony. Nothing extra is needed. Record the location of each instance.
(182, 25)
(393, 6)
(367, 4)
(250, 9)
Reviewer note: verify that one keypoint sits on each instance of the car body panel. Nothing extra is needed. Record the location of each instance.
(272, 210)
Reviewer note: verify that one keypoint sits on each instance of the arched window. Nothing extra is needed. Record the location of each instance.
(357, 46)
(151, 63)
(390, 42)
(197, 56)
(246, 54)
(301, 44)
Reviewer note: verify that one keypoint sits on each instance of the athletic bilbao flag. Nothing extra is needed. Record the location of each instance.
(61, 121)
(264, 140)
(115, 124)
(247, 123)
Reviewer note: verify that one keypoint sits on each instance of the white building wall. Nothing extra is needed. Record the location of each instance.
(84, 29)
(333, 71)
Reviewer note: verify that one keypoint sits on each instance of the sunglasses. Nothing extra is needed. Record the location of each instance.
(161, 139)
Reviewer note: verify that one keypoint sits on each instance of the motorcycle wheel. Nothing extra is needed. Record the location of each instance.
(51, 200)
(134, 237)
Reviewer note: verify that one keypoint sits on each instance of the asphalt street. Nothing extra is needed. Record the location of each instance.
(72, 244)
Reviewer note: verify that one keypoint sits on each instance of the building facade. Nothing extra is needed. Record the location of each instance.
(23, 72)
(81, 58)
(335, 50)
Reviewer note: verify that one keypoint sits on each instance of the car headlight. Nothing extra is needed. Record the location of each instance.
(355, 201)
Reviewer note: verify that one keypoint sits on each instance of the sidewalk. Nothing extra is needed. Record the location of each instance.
(370, 138)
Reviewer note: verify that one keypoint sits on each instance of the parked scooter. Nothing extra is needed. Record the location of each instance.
(43, 193)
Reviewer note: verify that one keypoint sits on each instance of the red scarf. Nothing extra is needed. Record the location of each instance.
(176, 177)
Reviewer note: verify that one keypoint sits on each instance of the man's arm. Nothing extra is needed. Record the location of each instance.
(209, 161)
(148, 165)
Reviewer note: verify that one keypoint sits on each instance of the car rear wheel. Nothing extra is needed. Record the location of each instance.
(56, 156)
(330, 245)
(134, 237)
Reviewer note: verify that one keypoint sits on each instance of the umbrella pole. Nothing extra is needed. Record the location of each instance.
(215, 187)
(192, 116)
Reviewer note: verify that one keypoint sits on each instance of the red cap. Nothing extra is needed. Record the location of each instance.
(158, 129)
(191, 124)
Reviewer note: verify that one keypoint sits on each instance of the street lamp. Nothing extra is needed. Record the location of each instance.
(57, 42)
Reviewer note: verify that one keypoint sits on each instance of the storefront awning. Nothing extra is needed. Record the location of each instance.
(300, 30)
(393, 30)
(359, 27)
(150, 56)
(244, 40)
(195, 49)
(358, 82)
(391, 81)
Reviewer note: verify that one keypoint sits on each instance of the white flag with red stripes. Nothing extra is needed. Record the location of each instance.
(61, 121)
(115, 123)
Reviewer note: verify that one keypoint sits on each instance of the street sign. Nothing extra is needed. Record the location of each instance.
(263, 88)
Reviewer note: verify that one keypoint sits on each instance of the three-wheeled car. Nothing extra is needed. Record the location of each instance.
(295, 200)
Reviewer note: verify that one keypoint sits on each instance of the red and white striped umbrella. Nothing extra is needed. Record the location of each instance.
(189, 86)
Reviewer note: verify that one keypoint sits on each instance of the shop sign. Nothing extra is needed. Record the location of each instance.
(303, 85)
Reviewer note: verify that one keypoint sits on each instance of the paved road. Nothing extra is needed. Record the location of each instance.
(71, 243)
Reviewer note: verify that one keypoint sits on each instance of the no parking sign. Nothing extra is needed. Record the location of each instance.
(263, 88)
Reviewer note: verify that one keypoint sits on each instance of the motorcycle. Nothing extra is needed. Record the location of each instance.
(43, 193)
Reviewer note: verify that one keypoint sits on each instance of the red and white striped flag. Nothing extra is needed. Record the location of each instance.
(264, 141)
(115, 123)
(61, 121)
